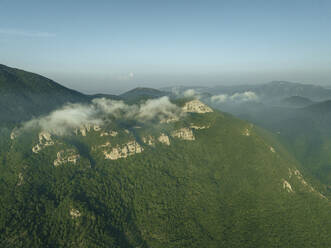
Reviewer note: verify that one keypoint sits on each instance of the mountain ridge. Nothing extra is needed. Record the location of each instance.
(153, 171)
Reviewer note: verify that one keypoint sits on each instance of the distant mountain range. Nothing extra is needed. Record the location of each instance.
(297, 101)
(267, 92)
(25, 94)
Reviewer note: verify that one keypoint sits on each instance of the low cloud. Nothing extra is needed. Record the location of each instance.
(67, 118)
(190, 93)
(247, 96)
(72, 116)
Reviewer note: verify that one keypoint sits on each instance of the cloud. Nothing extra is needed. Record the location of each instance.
(72, 116)
(26, 33)
(220, 98)
(190, 93)
(67, 118)
(161, 108)
(246, 96)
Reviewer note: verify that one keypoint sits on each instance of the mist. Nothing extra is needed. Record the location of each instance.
(101, 110)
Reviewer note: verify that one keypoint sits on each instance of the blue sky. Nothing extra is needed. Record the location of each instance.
(111, 46)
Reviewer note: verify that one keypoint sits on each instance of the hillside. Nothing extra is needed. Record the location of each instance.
(320, 108)
(24, 94)
(304, 131)
(142, 93)
(297, 101)
(156, 174)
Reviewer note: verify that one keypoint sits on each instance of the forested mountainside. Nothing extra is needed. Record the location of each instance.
(186, 177)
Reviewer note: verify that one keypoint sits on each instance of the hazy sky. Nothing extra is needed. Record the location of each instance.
(114, 45)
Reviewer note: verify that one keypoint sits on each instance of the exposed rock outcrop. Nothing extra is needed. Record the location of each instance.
(66, 156)
(199, 127)
(14, 134)
(298, 175)
(84, 129)
(45, 139)
(164, 139)
(109, 133)
(287, 186)
(196, 106)
(74, 213)
(20, 179)
(96, 128)
(128, 149)
(149, 140)
(105, 145)
(247, 130)
(183, 133)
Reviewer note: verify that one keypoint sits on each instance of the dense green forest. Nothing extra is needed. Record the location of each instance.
(224, 189)
(211, 181)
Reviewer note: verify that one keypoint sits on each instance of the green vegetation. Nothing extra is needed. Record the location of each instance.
(233, 186)
(25, 94)
(224, 189)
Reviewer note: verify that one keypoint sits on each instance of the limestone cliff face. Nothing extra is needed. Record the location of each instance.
(74, 213)
(45, 140)
(295, 175)
(164, 139)
(183, 133)
(14, 133)
(84, 129)
(149, 140)
(110, 147)
(198, 127)
(128, 149)
(109, 133)
(287, 186)
(66, 156)
(196, 106)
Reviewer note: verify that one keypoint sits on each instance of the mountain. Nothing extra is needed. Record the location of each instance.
(297, 101)
(155, 174)
(274, 91)
(143, 93)
(320, 108)
(283, 89)
(25, 94)
(305, 132)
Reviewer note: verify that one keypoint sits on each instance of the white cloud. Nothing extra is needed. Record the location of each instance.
(72, 116)
(246, 96)
(220, 98)
(69, 117)
(190, 93)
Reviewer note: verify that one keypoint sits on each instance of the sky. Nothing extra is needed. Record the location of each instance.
(111, 46)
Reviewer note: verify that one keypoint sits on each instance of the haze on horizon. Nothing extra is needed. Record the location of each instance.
(111, 46)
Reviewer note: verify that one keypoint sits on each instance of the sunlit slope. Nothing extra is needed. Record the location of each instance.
(205, 180)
